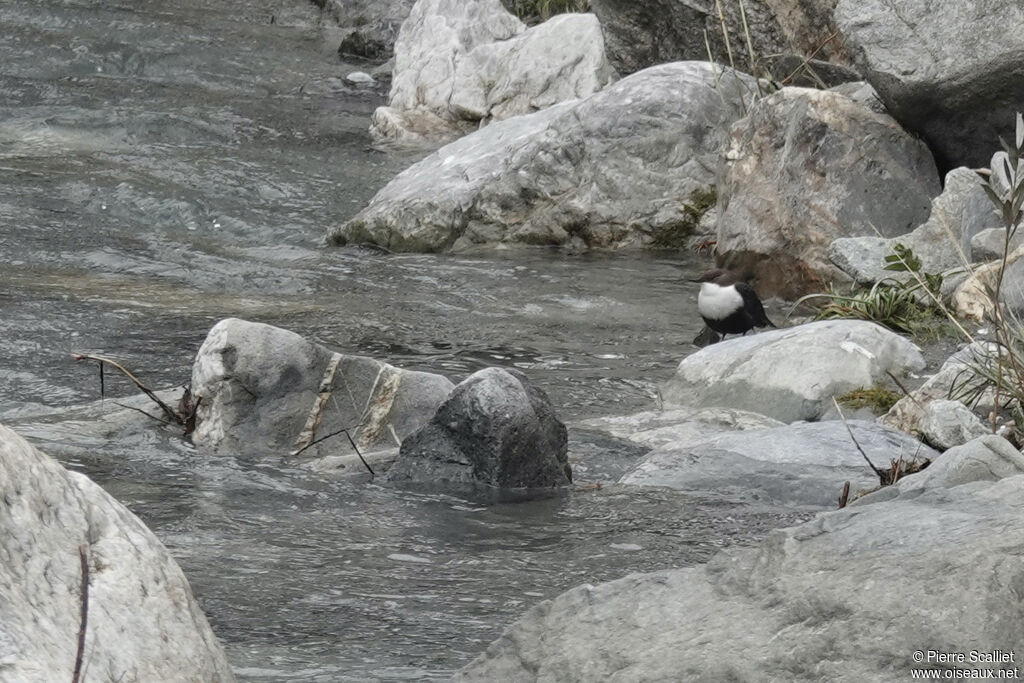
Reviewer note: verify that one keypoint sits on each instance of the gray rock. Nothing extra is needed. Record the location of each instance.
(792, 374)
(783, 33)
(942, 243)
(863, 94)
(955, 77)
(988, 244)
(462, 62)
(973, 299)
(494, 429)
(374, 24)
(798, 465)
(807, 167)
(143, 621)
(259, 385)
(954, 380)
(984, 458)
(947, 423)
(615, 168)
(656, 428)
(847, 597)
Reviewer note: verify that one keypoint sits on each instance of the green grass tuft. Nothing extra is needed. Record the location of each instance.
(878, 399)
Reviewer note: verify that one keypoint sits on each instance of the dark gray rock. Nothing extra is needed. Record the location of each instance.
(952, 73)
(374, 25)
(805, 168)
(494, 429)
(783, 33)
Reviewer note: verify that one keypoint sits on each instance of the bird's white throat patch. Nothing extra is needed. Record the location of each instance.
(716, 302)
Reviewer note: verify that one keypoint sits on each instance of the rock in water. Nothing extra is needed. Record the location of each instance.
(614, 169)
(460, 62)
(143, 624)
(494, 429)
(260, 384)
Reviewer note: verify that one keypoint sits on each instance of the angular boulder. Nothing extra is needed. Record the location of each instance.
(494, 429)
(616, 168)
(798, 465)
(462, 62)
(805, 168)
(264, 390)
(954, 380)
(952, 73)
(941, 243)
(947, 423)
(984, 458)
(142, 621)
(847, 597)
(792, 374)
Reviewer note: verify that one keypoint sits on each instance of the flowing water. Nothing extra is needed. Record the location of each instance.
(166, 165)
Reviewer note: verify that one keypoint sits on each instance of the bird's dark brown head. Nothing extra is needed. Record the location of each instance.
(719, 276)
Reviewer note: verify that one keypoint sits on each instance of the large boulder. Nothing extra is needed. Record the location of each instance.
(462, 62)
(805, 168)
(792, 374)
(952, 73)
(495, 429)
(942, 243)
(616, 168)
(850, 596)
(946, 424)
(798, 465)
(264, 390)
(142, 621)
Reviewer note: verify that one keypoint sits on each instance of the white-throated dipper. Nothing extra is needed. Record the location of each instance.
(729, 305)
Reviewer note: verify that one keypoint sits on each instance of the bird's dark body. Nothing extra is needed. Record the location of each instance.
(746, 316)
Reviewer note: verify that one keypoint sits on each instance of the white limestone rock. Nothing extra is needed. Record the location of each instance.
(792, 374)
(143, 623)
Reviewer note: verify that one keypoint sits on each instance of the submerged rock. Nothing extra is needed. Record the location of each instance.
(494, 429)
(798, 465)
(616, 168)
(954, 77)
(805, 168)
(847, 597)
(655, 428)
(460, 62)
(793, 373)
(143, 622)
(374, 25)
(260, 387)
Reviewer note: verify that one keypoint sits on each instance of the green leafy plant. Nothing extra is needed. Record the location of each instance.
(906, 307)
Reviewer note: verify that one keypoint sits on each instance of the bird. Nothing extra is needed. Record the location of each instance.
(728, 304)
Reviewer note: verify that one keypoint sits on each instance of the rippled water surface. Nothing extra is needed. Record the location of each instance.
(166, 165)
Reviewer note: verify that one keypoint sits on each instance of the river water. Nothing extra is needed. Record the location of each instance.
(166, 165)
